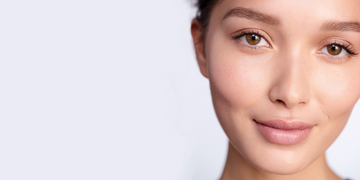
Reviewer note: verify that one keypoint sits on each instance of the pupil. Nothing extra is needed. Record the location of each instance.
(334, 47)
(254, 37)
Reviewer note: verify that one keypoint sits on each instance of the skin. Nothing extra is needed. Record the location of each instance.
(292, 78)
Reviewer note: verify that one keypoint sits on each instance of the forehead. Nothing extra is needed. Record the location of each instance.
(296, 11)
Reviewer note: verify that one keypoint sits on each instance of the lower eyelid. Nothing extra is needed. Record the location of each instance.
(263, 44)
(334, 59)
(342, 53)
(346, 46)
(338, 59)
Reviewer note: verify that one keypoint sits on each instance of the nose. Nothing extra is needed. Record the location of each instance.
(291, 85)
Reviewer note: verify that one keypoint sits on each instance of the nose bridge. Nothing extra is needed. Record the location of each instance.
(292, 85)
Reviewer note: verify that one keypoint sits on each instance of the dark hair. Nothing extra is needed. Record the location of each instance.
(204, 11)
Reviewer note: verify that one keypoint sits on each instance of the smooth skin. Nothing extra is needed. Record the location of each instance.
(290, 75)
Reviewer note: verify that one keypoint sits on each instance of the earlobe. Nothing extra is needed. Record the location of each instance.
(198, 40)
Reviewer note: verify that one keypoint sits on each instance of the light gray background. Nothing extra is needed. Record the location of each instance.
(110, 89)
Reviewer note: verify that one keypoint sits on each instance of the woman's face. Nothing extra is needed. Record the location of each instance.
(284, 76)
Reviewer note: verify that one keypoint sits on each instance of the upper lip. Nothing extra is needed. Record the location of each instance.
(285, 125)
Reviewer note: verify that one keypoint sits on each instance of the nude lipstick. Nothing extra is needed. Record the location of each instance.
(284, 132)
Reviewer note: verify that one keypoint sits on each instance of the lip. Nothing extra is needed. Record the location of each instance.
(284, 132)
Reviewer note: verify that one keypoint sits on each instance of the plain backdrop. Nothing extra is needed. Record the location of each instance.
(110, 90)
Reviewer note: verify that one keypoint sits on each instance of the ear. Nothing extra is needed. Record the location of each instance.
(198, 39)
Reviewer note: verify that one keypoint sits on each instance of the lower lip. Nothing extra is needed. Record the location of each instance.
(281, 136)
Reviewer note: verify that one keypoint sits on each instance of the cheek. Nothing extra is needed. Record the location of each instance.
(236, 79)
(337, 91)
(233, 84)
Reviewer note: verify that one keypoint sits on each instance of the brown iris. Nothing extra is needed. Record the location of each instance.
(334, 49)
(253, 39)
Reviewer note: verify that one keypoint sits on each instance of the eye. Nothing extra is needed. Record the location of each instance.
(334, 50)
(254, 39)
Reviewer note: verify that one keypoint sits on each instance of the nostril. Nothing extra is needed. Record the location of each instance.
(280, 101)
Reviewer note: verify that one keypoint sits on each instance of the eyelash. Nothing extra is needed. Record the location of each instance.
(346, 46)
(239, 34)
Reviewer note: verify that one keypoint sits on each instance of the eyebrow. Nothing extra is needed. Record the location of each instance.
(252, 15)
(341, 26)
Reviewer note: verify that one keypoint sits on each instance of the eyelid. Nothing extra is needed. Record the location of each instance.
(236, 35)
(347, 46)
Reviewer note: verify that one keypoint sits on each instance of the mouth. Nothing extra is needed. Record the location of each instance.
(284, 132)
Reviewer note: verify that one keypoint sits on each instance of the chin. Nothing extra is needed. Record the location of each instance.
(278, 159)
(279, 166)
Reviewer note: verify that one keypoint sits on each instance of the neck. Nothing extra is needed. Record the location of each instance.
(237, 168)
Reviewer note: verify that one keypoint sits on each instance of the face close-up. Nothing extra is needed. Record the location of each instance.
(284, 76)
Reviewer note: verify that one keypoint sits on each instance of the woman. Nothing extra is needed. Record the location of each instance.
(284, 78)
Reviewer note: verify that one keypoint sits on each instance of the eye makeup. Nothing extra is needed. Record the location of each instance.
(344, 46)
(337, 50)
(247, 37)
(251, 38)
